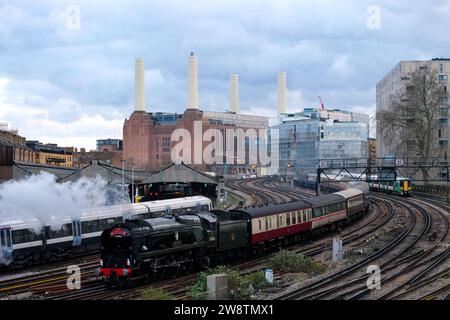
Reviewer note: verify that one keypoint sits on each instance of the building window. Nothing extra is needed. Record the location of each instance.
(441, 68)
(443, 77)
(443, 121)
(443, 142)
(439, 133)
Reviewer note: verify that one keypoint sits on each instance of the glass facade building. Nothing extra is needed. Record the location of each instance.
(313, 135)
(117, 143)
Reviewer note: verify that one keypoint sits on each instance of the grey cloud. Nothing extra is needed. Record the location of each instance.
(325, 48)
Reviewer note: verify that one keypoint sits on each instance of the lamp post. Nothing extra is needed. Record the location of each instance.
(132, 184)
(288, 165)
(254, 167)
(123, 178)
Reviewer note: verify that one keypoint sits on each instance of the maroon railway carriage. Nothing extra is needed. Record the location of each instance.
(278, 220)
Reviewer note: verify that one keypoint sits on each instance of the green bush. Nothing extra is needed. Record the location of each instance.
(257, 279)
(155, 294)
(237, 284)
(288, 261)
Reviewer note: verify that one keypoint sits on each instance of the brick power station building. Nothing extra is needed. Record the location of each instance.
(147, 136)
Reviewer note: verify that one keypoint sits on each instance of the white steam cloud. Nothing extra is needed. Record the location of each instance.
(41, 197)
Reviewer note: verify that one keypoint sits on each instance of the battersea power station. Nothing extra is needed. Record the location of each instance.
(150, 137)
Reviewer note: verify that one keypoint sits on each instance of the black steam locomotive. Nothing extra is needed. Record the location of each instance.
(171, 245)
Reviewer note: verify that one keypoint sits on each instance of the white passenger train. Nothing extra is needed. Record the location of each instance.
(29, 241)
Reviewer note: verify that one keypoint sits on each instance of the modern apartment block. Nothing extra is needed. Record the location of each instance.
(395, 83)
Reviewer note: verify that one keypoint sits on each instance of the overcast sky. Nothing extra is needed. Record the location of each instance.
(70, 81)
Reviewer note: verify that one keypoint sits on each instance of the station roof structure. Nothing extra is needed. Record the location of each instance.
(24, 169)
(180, 173)
(174, 173)
(111, 174)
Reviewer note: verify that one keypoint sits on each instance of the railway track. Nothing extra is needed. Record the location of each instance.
(349, 282)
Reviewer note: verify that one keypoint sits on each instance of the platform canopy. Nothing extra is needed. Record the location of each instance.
(180, 173)
(24, 169)
(112, 175)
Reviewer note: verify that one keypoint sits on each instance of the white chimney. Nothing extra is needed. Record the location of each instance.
(234, 93)
(139, 86)
(192, 82)
(281, 92)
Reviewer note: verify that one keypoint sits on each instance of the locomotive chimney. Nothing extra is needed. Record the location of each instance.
(234, 93)
(139, 86)
(281, 92)
(192, 82)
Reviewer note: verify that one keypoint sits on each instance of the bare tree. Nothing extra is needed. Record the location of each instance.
(410, 123)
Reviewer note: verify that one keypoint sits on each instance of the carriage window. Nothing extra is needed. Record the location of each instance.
(299, 217)
(18, 236)
(260, 226)
(270, 222)
(90, 226)
(267, 223)
(281, 220)
(278, 221)
(288, 219)
(204, 207)
(22, 236)
(64, 231)
(106, 223)
(189, 209)
(294, 218)
(177, 211)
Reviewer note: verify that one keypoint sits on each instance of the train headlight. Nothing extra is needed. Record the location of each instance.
(125, 272)
(128, 262)
(101, 263)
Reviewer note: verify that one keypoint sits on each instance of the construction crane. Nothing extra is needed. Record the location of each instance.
(321, 103)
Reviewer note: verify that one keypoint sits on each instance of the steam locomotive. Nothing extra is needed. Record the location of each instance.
(169, 245)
